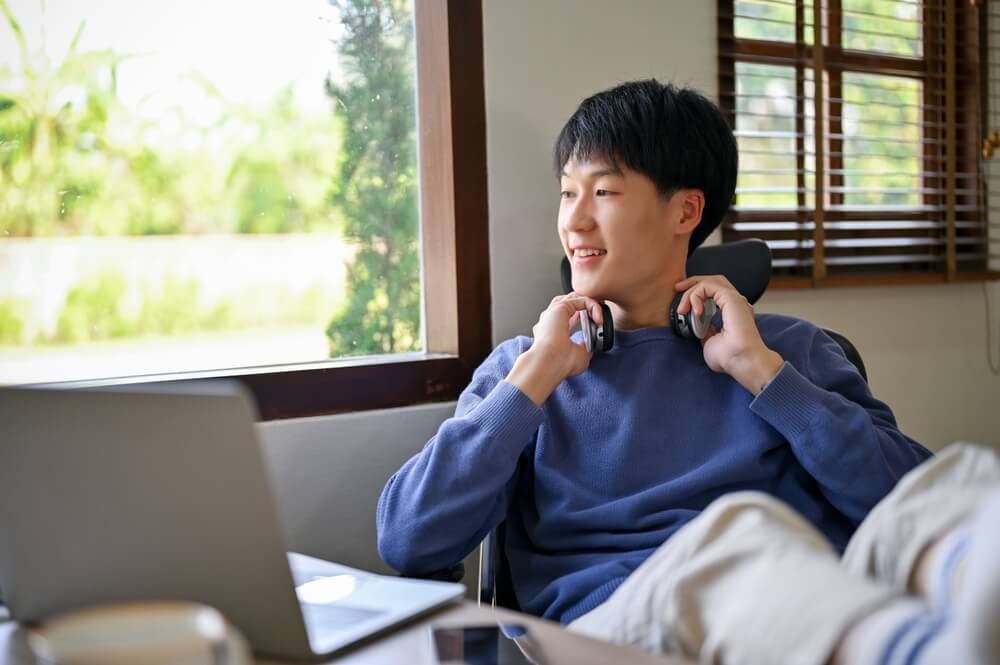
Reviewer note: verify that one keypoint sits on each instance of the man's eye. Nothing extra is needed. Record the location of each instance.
(602, 192)
(565, 195)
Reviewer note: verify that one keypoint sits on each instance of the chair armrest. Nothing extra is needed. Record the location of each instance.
(487, 570)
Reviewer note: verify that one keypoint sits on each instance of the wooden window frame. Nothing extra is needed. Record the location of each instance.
(454, 244)
(835, 60)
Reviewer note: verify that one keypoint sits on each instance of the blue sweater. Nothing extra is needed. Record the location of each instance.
(624, 454)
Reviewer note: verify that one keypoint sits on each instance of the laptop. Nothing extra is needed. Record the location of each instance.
(159, 492)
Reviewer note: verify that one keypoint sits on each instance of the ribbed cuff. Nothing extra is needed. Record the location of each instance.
(789, 403)
(508, 414)
(591, 601)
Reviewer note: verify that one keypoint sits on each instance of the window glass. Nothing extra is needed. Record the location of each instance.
(771, 20)
(766, 130)
(765, 19)
(883, 145)
(883, 26)
(205, 185)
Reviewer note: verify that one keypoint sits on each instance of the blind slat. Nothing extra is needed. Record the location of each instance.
(873, 225)
(889, 146)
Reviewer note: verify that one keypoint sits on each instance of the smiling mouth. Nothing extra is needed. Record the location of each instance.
(588, 253)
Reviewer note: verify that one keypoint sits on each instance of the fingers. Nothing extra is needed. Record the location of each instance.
(596, 312)
(719, 281)
(573, 303)
(696, 289)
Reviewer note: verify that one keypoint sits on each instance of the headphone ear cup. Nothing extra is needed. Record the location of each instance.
(700, 325)
(608, 338)
(677, 322)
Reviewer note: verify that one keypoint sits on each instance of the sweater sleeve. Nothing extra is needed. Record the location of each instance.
(843, 436)
(444, 500)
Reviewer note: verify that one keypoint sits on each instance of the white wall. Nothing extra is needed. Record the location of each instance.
(925, 351)
(924, 346)
(542, 59)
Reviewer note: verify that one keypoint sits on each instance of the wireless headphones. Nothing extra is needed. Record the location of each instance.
(689, 325)
(602, 338)
(599, 338)
(745, 263)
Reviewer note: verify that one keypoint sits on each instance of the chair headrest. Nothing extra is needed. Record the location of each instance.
(745, 263)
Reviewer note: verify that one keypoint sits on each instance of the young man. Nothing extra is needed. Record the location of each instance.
(686, 497)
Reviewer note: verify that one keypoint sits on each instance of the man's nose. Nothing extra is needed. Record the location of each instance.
(577, 216)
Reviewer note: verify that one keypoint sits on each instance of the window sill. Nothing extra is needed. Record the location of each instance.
(329, 387)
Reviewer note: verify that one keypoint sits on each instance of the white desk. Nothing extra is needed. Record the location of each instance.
(410, 644)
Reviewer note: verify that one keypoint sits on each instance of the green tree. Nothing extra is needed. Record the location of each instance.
(376, 183)
(51, 123)
(280, 180)
(76, 161)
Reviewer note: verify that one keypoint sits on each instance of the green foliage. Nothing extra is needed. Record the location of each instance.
(12, 319)
(108, 306)
(759, 20)
(280, 180)
(883, 26)
(55, 106)
(94, 310)
(376, 185)
(75, 161)
(882, 149)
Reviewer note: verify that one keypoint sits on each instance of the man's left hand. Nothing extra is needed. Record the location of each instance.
(736, 350)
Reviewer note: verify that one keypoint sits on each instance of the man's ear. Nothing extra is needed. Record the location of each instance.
(692, 204)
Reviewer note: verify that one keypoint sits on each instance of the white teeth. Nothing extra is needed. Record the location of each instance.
(589, 252)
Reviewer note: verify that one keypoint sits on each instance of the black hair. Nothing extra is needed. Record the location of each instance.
(674, 136)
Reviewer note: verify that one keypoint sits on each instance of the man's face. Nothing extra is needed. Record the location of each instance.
(617, 231)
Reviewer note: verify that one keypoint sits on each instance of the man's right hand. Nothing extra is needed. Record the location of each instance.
(553, 356)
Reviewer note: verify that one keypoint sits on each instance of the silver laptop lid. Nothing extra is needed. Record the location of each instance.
(142, 492)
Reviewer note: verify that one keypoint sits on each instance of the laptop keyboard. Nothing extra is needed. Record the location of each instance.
(338, 616)
(300, 577)
(324, 616)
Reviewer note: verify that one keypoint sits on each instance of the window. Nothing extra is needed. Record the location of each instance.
(873, 175)
(191, 200)
(989, 56)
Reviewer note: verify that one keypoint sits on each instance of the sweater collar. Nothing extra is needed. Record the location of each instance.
(626, 338)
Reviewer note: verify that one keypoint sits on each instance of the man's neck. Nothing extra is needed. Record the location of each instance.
(648, 315)
(647, 310)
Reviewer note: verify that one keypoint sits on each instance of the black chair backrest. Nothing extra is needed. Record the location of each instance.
(850, 351)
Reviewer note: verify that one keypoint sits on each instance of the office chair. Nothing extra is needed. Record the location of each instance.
(747, 265)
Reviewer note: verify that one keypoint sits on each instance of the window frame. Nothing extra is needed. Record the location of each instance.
(454, 219)
(835, 61)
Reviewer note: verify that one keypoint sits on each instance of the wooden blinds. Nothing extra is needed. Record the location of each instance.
(876, 173)
(989, 86)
